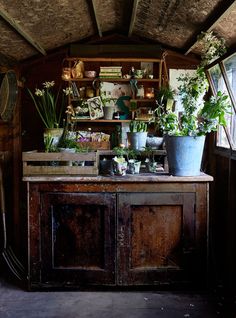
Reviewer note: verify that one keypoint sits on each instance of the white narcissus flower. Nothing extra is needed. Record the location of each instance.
(67, 91)
(48, 84)
(39, 92)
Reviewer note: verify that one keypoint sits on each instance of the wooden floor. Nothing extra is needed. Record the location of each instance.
(16, 302)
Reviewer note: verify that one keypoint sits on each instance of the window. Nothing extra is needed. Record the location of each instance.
(223, 78)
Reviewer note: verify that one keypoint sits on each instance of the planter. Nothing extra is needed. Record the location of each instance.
(184, 154)
(55, 133)
(134, 166)
(151, 166)
(119, 168)
(108, 112)
(137, 140)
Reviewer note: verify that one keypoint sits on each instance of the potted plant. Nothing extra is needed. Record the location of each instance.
(165, 96)
(151, 164)
(133, 163)
(109, 105)
(185, 132)
(137, 136)
(119, 161)
(47, 104)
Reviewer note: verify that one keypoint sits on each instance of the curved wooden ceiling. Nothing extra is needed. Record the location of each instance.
(32, 27)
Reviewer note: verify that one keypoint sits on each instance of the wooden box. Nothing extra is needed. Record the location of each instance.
(60, 163)
(95, 145)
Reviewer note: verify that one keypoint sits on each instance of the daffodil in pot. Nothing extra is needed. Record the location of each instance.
(50, 106)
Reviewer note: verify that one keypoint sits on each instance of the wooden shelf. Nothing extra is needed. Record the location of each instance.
(109, 79)
(160, 152)
(114, 59)
(143, 100)
(101, 120)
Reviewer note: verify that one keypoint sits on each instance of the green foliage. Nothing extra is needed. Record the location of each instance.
(198, 117)
(126, 152)
(213, 113)
(48, 143)
(212, 47)
(191, 89)
(149, 152)
(67, 143)
(132, 153)
(120, 151)
(163, 94)
(138, 126)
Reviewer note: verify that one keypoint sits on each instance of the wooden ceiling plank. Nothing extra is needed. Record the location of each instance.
(96, 18)
(133, 17)
(5, 15)
(210, 27)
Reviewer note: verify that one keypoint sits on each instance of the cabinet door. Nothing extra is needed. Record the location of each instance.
(156, 238)
(77, 238)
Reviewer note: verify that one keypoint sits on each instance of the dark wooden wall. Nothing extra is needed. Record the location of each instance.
(10, 149)
(222, 233)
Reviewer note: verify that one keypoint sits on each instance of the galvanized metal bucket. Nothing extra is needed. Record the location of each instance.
(184, 154)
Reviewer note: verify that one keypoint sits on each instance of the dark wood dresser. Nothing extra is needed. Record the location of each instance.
(117, 231)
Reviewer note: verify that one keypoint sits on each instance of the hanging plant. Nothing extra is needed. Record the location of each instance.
(212, 47)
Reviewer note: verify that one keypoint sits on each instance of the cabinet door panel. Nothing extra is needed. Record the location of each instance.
(155, 242)
(154, 232)
(77, 237)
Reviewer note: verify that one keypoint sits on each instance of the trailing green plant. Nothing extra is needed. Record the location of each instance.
(138, 126)
(198, 116)
(206, 119)
(213, 113)
(212, 47)
(163, 94)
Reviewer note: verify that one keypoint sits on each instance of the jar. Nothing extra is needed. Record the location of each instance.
(150, 92)
(140, 92)
(89, 92)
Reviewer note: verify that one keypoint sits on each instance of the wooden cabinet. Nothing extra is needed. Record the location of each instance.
(156, 237)
(77, 242)
(126, 231)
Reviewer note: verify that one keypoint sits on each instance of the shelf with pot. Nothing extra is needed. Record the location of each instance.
(92, 72)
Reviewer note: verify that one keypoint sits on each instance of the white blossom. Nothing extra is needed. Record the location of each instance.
(67, 91)
(39, 92)
(48, 84)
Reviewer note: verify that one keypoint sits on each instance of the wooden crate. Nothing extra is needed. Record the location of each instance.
(59, 163)
(95, 145)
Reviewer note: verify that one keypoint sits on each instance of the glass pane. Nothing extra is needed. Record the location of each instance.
(219, 85)
(230, 66)
(222, 140)
(233, 131)
(217, 78)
